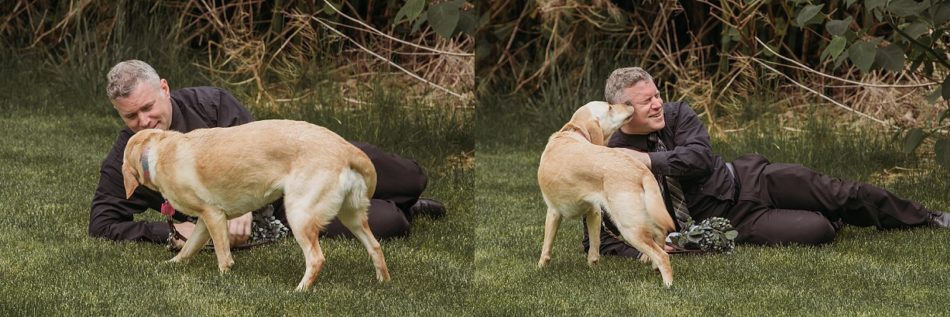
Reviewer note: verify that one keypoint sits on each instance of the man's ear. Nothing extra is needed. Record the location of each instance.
(595, 132)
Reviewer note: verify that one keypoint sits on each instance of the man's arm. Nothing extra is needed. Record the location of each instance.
(692, 155)
(111, 215)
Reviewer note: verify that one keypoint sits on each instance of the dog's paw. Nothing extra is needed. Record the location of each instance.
(591, 262)
(543, 262)
(224, 269)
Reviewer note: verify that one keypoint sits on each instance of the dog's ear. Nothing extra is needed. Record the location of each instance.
(571, 126)
(130, 166)
(594, 132)
(130, 175)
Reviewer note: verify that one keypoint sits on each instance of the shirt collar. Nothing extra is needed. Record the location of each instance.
(178, 118)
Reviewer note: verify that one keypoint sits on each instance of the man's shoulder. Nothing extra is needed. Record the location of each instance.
(678, 109)
(676, 105)
(197, 92)
(204, 99)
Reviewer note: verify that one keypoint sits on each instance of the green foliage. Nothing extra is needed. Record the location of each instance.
(918, 36)
(446, 18)
(913, 139)
(942, 149)
(808, 14)
(410, 11)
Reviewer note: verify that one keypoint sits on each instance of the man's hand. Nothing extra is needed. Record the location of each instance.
(239, 229)
(184, 229)
(639, 156)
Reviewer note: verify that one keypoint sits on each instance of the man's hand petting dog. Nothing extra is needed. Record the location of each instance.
(239, 230)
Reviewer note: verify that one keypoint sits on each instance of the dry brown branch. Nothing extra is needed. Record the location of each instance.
(411, 74)
(857, 83)
(823, 96)
(371, 29)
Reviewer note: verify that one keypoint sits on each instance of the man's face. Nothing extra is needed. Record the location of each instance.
(147, 107)
(646, 101)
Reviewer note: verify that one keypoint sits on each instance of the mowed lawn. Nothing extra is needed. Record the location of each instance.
(864, 272)
(49, 169)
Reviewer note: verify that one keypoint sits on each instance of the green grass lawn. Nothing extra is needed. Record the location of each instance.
(49, 167)
(864, 272)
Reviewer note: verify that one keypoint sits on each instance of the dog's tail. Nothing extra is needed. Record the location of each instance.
(656, 206)
(360, 180)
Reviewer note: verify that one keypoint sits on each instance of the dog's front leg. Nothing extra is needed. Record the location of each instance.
(199, 236)
(551, 223)
(217, 224)
(594, 218)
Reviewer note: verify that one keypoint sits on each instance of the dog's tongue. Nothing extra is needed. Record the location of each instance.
(167, 209)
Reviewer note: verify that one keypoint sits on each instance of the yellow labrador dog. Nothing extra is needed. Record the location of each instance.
(578, 176)
(221, 173)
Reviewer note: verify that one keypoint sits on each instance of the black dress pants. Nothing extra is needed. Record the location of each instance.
(788, 203)
(399, 183)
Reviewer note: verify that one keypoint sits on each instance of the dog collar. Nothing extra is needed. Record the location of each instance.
(144, 162)
(167, 209)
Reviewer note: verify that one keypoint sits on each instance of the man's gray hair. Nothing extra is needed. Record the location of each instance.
(125, 75)
(623, 78)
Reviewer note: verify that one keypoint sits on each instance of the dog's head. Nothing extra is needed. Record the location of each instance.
(598, 120)
(133, 169)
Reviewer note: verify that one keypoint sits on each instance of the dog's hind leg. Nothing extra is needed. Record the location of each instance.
(594, 219)
(643, 240)
(199, 236)
(630, 216)
(353, 216)
(306, 229)
(310, 205)
(551, 223)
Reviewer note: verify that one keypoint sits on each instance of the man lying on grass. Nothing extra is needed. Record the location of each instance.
(768, 204)
(144, 101)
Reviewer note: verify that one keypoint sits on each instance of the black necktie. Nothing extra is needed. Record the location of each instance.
(675, 192)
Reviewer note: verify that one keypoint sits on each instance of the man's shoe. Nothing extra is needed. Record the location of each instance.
(940, 219)
(429, 208)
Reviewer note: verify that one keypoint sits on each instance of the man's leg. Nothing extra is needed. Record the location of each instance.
(398, 180)
(785, 226)
(385, 221)
(792, 186)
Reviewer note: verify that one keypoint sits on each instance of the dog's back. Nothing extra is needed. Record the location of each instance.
(226, 174)
(573, 170)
